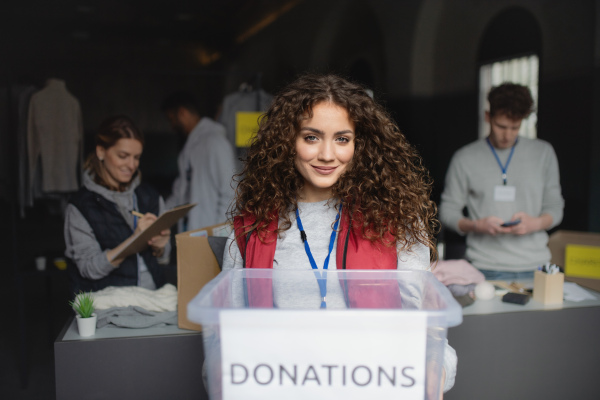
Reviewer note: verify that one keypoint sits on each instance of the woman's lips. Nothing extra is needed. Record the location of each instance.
(324, 170)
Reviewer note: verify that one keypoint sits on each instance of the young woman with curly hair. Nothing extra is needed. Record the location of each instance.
(329, 169)
(363, 163)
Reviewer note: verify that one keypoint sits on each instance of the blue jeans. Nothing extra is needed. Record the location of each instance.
(491, 275)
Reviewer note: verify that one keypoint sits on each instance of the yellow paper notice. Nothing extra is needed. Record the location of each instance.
(246, 126)
(582, 261)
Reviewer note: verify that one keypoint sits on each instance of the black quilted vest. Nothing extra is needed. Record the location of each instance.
(110, 230)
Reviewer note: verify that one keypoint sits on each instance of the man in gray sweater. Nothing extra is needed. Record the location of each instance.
(510, 186)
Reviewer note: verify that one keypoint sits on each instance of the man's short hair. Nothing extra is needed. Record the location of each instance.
(512, 100)
(181, 99)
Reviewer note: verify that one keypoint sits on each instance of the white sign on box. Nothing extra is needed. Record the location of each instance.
(322, 355)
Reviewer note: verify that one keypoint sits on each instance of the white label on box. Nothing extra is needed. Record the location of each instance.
(273, 354)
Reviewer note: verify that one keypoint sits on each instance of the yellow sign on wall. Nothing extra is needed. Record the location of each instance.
(582, 261)
(246, 126)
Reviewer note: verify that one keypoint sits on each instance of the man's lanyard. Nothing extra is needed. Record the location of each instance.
(321, 277)
(502, 167)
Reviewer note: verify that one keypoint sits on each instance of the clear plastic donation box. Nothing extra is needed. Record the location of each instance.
(339, 334)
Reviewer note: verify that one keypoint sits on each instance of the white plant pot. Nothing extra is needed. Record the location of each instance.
(86, 326)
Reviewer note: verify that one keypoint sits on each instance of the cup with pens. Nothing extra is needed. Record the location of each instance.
(548, 284)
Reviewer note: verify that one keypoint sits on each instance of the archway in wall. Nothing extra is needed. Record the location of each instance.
(357, 52)
(514, 31)
(510, 50)
(361, 71)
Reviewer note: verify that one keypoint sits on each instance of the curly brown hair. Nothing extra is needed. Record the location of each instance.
(512, 100)
(385, 186)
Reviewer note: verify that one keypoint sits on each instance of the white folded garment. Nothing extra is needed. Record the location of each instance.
(163, 299)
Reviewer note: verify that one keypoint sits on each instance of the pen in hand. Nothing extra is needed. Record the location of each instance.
(137, 214)
(140, 215)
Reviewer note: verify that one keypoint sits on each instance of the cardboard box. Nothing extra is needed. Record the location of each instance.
(548, 288)
(558, 242)
(196, 266)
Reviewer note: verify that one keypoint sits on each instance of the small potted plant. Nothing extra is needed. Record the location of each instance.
(86, 318)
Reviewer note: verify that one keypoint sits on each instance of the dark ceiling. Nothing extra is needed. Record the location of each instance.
(215, 25)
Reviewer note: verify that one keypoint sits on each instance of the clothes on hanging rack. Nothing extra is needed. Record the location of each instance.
(55, 138)
(255, 100)
(245, 87)
(245, 99)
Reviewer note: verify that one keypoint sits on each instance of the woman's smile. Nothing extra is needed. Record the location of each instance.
(324, 170)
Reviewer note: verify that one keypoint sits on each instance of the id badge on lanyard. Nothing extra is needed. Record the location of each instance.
(504, 192)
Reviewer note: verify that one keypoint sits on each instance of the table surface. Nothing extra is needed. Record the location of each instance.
(112, 332)
(510, 351)
(488, 332)
(496, 305)
(479, 307)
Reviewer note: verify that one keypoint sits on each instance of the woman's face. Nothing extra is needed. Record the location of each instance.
(120, 161)
(324, 148)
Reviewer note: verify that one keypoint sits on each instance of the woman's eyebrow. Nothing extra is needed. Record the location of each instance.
(314, 130)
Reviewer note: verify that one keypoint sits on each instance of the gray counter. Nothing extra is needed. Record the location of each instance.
(507, 351)
(117, 363)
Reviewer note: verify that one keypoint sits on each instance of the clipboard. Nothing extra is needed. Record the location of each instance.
(139, 242)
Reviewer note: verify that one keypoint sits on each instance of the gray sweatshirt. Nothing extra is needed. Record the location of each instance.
(472, 175)
(81, 243)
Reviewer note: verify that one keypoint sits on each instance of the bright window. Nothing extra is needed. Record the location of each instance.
(522, 70)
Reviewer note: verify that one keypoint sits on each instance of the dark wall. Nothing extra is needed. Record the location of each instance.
(434, 100)
(562, 34)
(438, 126)
(565, 120)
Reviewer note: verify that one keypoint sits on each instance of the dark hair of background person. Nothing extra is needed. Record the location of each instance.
(181, 99)
(512, 100)
(385, 187)
(110, 132)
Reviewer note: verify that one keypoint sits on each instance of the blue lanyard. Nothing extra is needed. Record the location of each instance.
(321, 277)
(502, 167)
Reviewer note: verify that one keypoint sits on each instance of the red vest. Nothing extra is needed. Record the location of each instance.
(352, 252)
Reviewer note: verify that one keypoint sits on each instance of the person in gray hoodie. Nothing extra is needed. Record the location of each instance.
(99, 216)
(206, 164)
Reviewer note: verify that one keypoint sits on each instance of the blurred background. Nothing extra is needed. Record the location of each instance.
(429, 61)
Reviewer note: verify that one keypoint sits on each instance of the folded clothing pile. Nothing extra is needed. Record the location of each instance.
(159, 300)
(136, 307)
(460, 277)
(134, 317)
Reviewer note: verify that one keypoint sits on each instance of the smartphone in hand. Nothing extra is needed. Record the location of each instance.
(506, 224)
